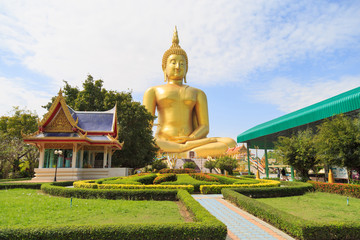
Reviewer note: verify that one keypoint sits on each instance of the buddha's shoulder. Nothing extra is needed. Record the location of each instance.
(165, 87)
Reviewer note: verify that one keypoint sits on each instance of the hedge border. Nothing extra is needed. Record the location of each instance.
(20, 185)
(293, 225)
(92, 185)
(205, 226)
(216, 189)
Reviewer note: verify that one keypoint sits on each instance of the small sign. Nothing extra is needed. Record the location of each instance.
(339, 173)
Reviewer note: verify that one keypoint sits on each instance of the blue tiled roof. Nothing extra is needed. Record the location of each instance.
(95, 121)
(57, 134)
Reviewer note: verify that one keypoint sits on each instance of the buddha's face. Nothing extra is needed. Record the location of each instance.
(175, 67)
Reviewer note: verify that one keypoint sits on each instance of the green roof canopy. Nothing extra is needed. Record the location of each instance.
(342, 103)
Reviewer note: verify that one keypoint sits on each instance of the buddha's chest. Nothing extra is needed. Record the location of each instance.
(176, 97)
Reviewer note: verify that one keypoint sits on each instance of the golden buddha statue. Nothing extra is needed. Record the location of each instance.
(183, 121)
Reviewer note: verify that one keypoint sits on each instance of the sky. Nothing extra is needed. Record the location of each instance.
(255, 60)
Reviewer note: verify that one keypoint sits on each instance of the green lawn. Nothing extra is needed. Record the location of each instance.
(28, 207)
(318, 206)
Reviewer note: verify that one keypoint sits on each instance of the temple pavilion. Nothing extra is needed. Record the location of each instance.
(77, 144)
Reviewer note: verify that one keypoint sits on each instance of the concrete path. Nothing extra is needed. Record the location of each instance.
(240, 224)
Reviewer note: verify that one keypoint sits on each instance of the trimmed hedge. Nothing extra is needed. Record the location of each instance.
(127, 194)
(211, 189)
(137, 179)
(350, 190)
(165, 178)
(205, 226)
(295, 226)
(185, 179)
(178, 171)
(20, 185)
(91, 185)
(234, 180)
(273, 192)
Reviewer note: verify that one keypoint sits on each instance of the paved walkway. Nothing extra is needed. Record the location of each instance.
(240, 224)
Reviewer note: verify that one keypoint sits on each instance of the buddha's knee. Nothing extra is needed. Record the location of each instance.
(228, 141)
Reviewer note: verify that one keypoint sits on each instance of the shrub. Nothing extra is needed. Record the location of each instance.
(204, 177)
(338, 188)
(226, 163)
(178, 171)
(165, 178)
(191, 165)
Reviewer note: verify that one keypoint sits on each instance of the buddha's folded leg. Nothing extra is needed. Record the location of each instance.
(218, 148)
(167, 146)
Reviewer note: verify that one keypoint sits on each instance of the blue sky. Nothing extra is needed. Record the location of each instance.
(255, 60)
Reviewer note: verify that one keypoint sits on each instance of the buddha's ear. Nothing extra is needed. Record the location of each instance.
(165, 77)
(185, 78)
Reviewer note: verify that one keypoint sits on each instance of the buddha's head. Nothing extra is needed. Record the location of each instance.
(175, 61)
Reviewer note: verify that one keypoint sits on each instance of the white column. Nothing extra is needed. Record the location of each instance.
(110, 157)
(73, 165)
(82, 158)
(105, 157)
(42, 155)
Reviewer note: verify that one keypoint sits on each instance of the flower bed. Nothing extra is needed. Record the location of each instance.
(165, 178)
(203, 177)
(338, 188)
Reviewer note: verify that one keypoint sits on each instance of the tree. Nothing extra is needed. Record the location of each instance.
(298, 151)
(191, 165)
(158, 165)
(13, 150)
(338, 142)
(134, 120)
(226, 163)
(210, 164)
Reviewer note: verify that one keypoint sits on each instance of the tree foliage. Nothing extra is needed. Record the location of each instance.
(338, 142)
(158, 165)
(226, 163)
(210, 164)
(191, 165)
(14, 153)
(134, 120)
(298, 151)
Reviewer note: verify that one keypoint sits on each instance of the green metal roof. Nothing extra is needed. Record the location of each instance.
(342, 103)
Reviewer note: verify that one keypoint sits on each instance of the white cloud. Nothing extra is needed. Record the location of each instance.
(289, 95)
(122, 42)
(14, 92)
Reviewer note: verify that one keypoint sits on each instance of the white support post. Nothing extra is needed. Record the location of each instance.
(105, 157)
(42, 155)
(110, 157)
(73, 164)
(82, 158)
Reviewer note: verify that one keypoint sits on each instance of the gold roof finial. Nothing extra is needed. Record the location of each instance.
(60, 92)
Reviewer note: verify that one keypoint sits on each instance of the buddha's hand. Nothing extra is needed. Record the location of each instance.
(182, 139)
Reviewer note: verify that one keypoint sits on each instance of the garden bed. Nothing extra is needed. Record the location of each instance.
(294, 225)
(204, 225)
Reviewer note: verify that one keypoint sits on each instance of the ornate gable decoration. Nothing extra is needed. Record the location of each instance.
(60, 123)
(59, 118)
